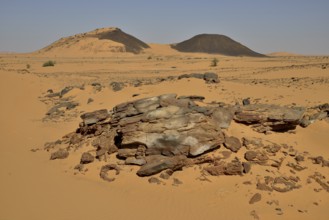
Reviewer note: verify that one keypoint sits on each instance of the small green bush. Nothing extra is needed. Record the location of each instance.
(28, 66)
(49, 63)
(214, 62)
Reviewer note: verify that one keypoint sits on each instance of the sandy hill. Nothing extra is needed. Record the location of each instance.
(215, 44)
(103, 40)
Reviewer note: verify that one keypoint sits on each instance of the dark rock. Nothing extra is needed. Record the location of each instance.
(90, 100)
(59, 154)
(321, 180)
(317, 160)
(64, 105)
(96, 84)
(296, 167)
(79, 167)
(193, 97)
(191, 75)
(246, 101)
(90, 118)
(234, 168)
(211, 77)
(166, 174)
(53, 95)
(216, 170)
(232, 143)
(135, 161)
(103, 173)
(165, 126)
(246, 167)
(176, 182)
(87, 158)
(251, 144)
(255, 198)
(256, 156)
(265, 117)
(274, 148)
(126, 152)
(65, 90)
(299, 158)
(281, 184)
(173, 163)
(263, 187)
(154, 180)
(117, 86)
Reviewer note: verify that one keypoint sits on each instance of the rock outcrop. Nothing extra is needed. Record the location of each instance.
(166, 133)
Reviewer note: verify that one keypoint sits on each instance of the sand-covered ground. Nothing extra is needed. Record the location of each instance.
(34, 187)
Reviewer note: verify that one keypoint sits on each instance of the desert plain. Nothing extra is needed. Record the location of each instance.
(34, 187)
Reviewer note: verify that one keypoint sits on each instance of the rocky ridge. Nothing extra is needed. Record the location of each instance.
(166, 133)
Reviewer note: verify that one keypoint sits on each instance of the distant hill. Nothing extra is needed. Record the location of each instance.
(97, 41)
(215, 44)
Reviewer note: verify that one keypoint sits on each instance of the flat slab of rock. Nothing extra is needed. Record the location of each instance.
(265, 117)
(166, 125)
(90, 118)
(59, 154)
(173, 163)
(232, 143)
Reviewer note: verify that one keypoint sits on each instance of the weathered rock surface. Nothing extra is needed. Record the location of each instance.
(166, 133)
(63, 105)
(232, 143)
(60, 154)
(87, 158)
(263, 117)
(166, 125)
(172, 163)
(255, 198)
(234, 167)
(90, 118)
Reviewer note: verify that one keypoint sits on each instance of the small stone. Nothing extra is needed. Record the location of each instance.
(116, 86)
(60, 154)
(166, 174)
(246, 101)
(299, 158)
(87, 158)
(176, 182)
(135, 161)
(90, 100)
(246, 167)
(79, 167)
(250, 155)
(232, 143)
(255, 198)
(154, 180)
(279, 211)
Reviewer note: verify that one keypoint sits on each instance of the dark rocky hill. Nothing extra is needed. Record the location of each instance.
(215, 44)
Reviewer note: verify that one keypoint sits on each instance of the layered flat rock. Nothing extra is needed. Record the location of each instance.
(165, 133)
(166, 125)
(264, 117)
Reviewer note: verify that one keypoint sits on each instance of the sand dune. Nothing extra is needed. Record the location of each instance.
(99, 41)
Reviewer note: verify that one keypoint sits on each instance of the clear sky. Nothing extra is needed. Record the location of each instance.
(299, 26)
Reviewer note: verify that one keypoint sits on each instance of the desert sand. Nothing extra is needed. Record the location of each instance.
(34, 187)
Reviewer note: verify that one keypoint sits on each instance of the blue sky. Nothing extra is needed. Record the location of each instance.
(300, 26)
